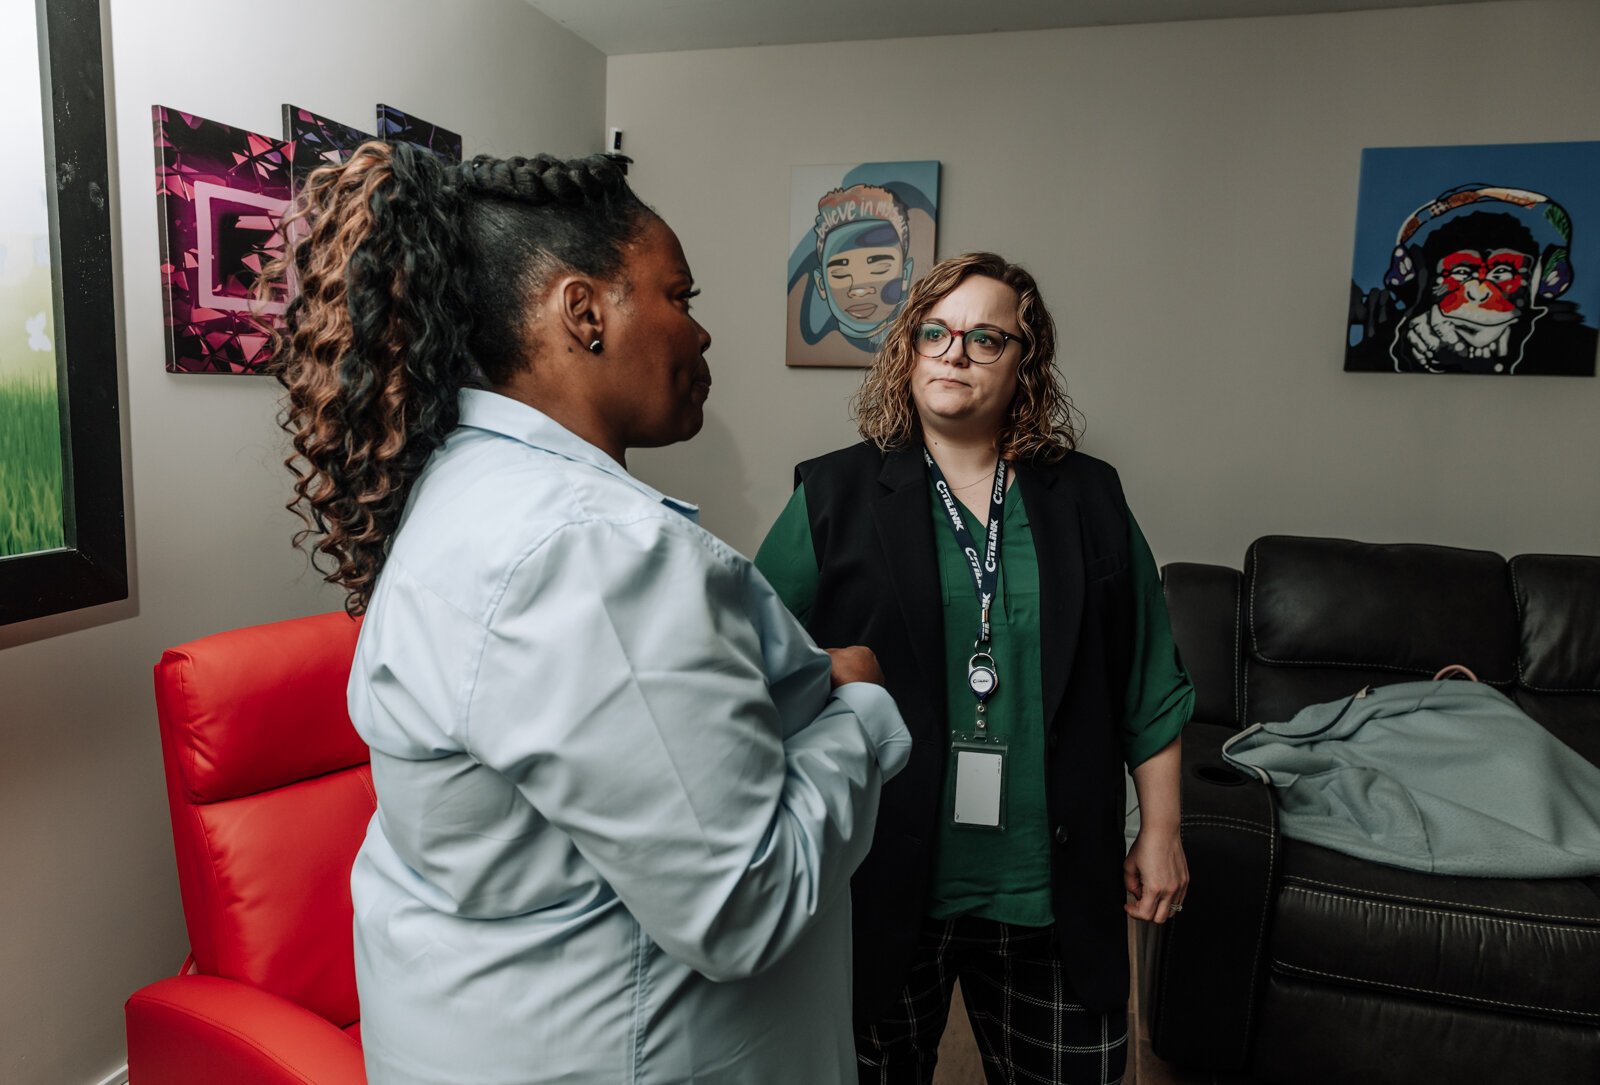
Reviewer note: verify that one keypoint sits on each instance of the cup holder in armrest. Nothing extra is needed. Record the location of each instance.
(1221, 774)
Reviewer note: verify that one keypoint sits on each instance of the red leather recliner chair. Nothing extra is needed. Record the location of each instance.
(270, 794)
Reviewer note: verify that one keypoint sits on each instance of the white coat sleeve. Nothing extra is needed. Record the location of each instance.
(627, 689)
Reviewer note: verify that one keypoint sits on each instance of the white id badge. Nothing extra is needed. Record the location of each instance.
(980, 786)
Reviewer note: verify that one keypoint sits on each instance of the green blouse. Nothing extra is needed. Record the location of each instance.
(1005, 875)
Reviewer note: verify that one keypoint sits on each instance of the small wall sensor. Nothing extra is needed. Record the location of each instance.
(613, 141)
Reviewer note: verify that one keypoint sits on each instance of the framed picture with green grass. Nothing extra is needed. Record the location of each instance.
(62, 541)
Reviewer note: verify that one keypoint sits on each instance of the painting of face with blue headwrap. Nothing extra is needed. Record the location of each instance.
(864, 244)
(865, 270)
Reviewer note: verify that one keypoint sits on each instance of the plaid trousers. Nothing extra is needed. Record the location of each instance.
(1029, 1028)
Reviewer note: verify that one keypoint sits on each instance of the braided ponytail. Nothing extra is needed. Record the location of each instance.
(372, 351)
(414, 279)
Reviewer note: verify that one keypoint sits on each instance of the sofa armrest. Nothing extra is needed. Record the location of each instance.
(1206, 966)
(1203, 603)
(201, 1030)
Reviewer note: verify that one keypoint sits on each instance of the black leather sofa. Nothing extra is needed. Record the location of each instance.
(1297, 965)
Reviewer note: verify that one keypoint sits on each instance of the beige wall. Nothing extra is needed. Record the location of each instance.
(1186, 195)
(89, 902)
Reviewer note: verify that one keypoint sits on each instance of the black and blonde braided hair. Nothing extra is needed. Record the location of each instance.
(415, 278)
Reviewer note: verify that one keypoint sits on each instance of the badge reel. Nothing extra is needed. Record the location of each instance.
(979, 797)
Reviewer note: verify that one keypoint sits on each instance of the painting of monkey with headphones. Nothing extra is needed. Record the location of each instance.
(1482, 277)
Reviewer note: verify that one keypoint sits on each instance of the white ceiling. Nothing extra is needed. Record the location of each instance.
(619, 27)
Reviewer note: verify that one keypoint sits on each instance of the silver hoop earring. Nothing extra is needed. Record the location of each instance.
(595, 347)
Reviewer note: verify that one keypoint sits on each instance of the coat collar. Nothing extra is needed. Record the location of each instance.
(495, 413)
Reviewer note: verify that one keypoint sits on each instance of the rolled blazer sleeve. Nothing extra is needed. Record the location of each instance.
(634, 687)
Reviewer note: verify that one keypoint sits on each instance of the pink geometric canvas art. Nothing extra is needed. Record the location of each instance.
(398, 126)
(318, 141)
(222, 193)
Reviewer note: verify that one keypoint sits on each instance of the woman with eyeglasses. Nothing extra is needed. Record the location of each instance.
(1018, 615)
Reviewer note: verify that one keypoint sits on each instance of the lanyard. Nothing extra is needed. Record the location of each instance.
(982, 677)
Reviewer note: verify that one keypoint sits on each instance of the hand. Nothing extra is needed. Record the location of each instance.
(855, 664)
(1156, 874)
(1429, 336)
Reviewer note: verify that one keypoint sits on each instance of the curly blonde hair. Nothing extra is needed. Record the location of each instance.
(1040, 424)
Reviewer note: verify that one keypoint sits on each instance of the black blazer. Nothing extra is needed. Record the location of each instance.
(879, 586)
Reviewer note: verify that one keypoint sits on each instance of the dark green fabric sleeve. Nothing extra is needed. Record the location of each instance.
(1160, 697)
(788, 560)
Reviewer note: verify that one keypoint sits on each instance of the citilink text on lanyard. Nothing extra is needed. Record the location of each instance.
(982, 677)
